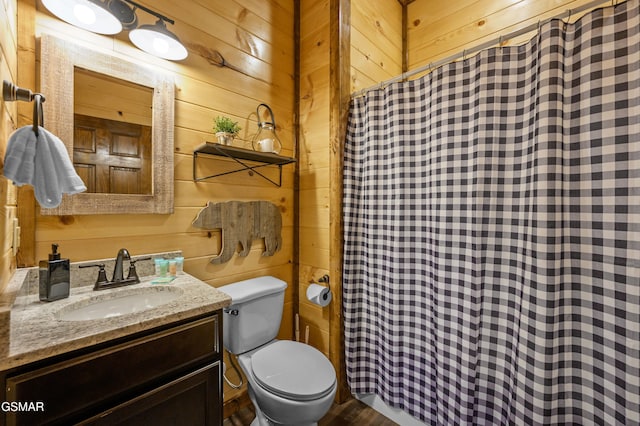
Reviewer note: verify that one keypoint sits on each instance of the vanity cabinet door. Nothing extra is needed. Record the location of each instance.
(185, 401)
(79, 387)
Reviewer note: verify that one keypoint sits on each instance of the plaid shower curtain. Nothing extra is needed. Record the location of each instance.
(492, 233)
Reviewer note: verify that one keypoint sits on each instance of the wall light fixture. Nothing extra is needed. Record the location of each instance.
(159, 41)
(112, 16)
(89, 15)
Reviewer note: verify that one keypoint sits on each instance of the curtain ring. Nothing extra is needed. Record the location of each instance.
(564, 27)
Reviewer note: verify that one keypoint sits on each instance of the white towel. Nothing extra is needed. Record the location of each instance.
(19, 159)
(42, 162)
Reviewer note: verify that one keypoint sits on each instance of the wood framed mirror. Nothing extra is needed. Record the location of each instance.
(65, 68)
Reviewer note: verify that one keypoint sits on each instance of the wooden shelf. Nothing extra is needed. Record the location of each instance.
(242, 157)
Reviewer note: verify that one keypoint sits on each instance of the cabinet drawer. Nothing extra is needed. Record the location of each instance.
(80, 384)
(184, 401)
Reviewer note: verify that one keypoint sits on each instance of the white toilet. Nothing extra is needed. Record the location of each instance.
(290, 383)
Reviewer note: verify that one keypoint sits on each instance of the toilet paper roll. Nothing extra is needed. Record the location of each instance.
(319, 294)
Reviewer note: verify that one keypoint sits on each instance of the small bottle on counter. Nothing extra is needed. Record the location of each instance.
(172, 268)
(179, 265)
(162, 267)
(55, 277)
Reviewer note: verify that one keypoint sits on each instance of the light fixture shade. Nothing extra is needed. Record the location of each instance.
(123, 12)
(159, 41)
(91, 15)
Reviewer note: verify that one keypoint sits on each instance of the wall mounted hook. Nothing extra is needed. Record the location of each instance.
(11, 92)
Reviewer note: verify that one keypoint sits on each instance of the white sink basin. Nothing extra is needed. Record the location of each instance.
(119, 303)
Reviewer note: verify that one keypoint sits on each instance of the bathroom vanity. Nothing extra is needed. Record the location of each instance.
(60, 364)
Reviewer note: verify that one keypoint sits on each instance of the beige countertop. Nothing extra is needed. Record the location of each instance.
(30, 330)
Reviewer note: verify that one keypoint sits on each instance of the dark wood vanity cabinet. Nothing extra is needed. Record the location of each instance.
(167, 376)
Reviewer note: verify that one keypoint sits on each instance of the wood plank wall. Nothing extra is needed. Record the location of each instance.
(438, 29)
(375, 52)
(8, 122)
(252, 35)
(375, 32)
(314, 164)
(376, 42)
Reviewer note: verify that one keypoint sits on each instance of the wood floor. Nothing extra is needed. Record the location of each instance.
(352, 412)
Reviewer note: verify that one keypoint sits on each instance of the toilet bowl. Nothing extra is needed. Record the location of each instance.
(289, 383)
(292, 383)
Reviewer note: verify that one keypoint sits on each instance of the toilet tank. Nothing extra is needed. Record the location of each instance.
(254, 316)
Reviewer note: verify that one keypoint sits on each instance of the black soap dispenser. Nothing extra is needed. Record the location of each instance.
(54, 277)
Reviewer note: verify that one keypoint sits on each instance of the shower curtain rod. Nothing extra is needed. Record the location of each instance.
(486, 45)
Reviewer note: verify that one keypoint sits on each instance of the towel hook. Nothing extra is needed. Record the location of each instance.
(38, 114)
(11, 92)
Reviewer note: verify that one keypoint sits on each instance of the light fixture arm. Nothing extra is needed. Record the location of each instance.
(150, 12)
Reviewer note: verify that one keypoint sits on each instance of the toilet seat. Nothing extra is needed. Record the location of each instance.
(293, 370)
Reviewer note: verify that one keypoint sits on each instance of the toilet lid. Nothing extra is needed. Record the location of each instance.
(293, 370)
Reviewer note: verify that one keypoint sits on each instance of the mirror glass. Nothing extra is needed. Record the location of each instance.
(112, 133)
(116, 119)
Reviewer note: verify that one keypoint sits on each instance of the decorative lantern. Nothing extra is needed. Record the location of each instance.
(266, 139)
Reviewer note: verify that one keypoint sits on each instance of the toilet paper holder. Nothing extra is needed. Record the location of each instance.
(319, 293)
(323, 279)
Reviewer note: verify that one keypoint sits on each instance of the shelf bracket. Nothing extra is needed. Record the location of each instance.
(250, 168)
(235, 154)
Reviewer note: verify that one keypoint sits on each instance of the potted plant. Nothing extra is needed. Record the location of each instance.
(226, 129)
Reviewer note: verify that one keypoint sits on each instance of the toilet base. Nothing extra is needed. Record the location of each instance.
(262, 420)
(255, 422)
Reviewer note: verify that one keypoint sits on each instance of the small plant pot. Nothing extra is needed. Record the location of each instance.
(225, 138)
